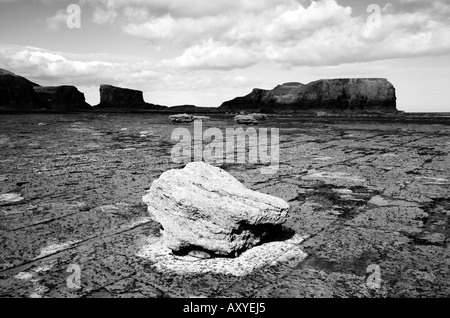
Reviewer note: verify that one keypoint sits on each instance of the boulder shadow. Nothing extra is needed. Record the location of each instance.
(268, 233)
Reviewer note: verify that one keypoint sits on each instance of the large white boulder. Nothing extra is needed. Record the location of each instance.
(202, 207)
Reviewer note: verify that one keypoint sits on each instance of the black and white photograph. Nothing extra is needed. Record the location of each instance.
(224, 154)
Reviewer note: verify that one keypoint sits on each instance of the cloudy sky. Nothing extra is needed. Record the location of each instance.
(205, 52)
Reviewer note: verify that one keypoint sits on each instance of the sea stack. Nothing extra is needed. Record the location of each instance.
(62, 98)
(112, 97)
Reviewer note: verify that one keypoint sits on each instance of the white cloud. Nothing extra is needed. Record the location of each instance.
(54, 67)
(222, 35)
(237, 34)
(324, 33)
(211, 55)
(183, 31)
(102, 15)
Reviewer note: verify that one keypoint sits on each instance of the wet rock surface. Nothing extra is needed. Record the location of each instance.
(360, 193)
(204, 207)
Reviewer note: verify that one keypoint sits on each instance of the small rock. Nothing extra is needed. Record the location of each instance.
(246, 120)
(24, 276)
(338, 176)
(343, 191)
(379, 201)
(11, 197)
(321, 114)
(55, 246)
(84, 207)
(181, 118)
(259, 116)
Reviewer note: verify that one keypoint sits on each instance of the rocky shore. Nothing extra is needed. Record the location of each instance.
(363, 196)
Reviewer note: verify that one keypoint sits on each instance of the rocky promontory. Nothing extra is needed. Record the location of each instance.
(62, 98)
(16, 92)
(19, 94)
(359, 94)
(112, 97)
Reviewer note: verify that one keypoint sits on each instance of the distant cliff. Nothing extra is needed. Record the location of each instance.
(19, 94)
(329, 96)
(112, 97)
(62, 98)
(360, 94)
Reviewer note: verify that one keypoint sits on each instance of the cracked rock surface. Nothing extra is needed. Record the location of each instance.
(361, 193)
